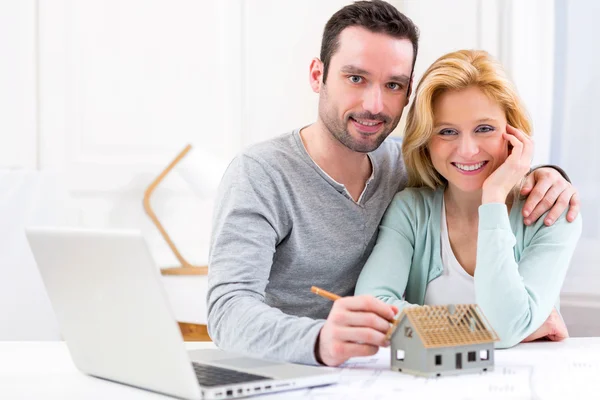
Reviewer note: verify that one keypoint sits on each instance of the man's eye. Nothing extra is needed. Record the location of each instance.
(394, 86)
(447, 132)
(355, 79)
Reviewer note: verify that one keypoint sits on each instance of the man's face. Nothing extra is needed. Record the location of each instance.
(366, 88)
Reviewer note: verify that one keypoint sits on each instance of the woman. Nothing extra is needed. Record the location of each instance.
(456, 234)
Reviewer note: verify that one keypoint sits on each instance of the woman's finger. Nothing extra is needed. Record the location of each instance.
(517, 145)
(517, 133)
(527, 141)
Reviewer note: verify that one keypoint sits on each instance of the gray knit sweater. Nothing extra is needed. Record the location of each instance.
(281, 225)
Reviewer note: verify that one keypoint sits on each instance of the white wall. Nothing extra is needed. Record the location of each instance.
(124, 86)
(18, 108)
(518, 33)
(576, 145)
(108, 92)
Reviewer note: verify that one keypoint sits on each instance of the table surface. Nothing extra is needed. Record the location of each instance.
(541, 370)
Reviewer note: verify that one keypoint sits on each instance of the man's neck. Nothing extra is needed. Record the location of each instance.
(348, 167)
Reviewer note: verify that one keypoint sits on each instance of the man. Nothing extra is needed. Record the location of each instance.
(303, 209)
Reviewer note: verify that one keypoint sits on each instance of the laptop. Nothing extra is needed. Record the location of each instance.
(117, 323)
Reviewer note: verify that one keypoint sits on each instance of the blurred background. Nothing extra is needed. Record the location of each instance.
(98, 96)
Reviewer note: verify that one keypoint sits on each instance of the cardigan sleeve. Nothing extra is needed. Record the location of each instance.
(517, 297)
(385, 274)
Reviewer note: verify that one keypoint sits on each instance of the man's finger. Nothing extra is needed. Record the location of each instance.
(561, 204)
(574, 206)
(366, 336)
(338, 352)
(366, 319)
(530, 209)
(369, 304)
(527, 185)
(358, 350)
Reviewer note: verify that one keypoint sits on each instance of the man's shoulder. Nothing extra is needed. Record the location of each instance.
(390, 150)
(274, 160)
(389, 165)
(273, 151)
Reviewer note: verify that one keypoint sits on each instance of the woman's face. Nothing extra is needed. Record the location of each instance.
(467, 144)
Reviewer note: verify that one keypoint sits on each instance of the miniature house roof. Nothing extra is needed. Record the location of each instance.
(450, 325)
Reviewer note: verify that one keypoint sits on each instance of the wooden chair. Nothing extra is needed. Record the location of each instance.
(190, 331)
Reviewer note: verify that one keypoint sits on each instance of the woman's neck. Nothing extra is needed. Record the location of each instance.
(464, 205)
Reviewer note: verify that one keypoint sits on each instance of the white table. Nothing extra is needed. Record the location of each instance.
(566, 370)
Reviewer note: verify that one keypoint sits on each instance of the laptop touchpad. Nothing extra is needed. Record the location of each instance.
(244, 362)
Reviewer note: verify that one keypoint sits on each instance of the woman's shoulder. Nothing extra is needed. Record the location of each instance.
(418, 196)
(420, 203)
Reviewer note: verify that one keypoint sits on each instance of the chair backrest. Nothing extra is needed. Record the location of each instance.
(28, 198)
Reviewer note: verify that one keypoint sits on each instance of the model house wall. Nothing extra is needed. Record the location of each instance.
(459, 349)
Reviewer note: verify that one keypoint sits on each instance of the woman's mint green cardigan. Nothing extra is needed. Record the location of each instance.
(519, 271)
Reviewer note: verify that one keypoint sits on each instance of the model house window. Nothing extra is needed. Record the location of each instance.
(408, 332)
(400, 355)
(484, 354)
(472, 356)
(438, 359)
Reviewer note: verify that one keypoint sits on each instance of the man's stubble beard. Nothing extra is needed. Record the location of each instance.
(339, 129)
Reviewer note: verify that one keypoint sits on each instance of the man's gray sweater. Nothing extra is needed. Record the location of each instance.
(282, 225)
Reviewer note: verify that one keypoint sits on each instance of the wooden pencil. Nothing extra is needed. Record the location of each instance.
(325, 293)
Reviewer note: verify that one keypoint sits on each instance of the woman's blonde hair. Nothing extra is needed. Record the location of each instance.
(454, 71)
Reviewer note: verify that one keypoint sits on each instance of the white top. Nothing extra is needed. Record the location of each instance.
(454, 285)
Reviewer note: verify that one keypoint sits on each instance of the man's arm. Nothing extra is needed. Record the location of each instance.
(248, 223)
(548, 188)
(250, 220)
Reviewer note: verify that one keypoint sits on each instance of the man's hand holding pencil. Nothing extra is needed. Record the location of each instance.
(356, 326)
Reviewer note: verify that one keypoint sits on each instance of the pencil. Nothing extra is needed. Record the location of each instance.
(325, 293)
(392, 329)
(334, 297)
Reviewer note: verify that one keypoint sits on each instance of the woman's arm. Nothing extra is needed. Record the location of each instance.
(518, 297)
(553, 329)
(385, 274)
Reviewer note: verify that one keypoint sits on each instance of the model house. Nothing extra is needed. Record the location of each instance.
(442, 340)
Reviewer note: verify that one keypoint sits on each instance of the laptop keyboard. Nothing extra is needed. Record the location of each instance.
(209, 375)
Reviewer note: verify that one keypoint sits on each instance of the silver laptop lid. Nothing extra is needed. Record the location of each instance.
(112, 309)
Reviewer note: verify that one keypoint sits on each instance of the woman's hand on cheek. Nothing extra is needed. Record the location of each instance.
(499, 184)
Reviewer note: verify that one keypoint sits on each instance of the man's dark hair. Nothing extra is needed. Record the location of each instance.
(376, 16)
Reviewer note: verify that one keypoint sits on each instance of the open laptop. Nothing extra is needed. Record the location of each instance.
(114, 316)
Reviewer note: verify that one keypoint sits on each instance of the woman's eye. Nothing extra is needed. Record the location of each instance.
(485, 129)
(447, 132)
(355, 79)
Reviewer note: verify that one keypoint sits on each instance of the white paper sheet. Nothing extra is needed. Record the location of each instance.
(517, 375)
